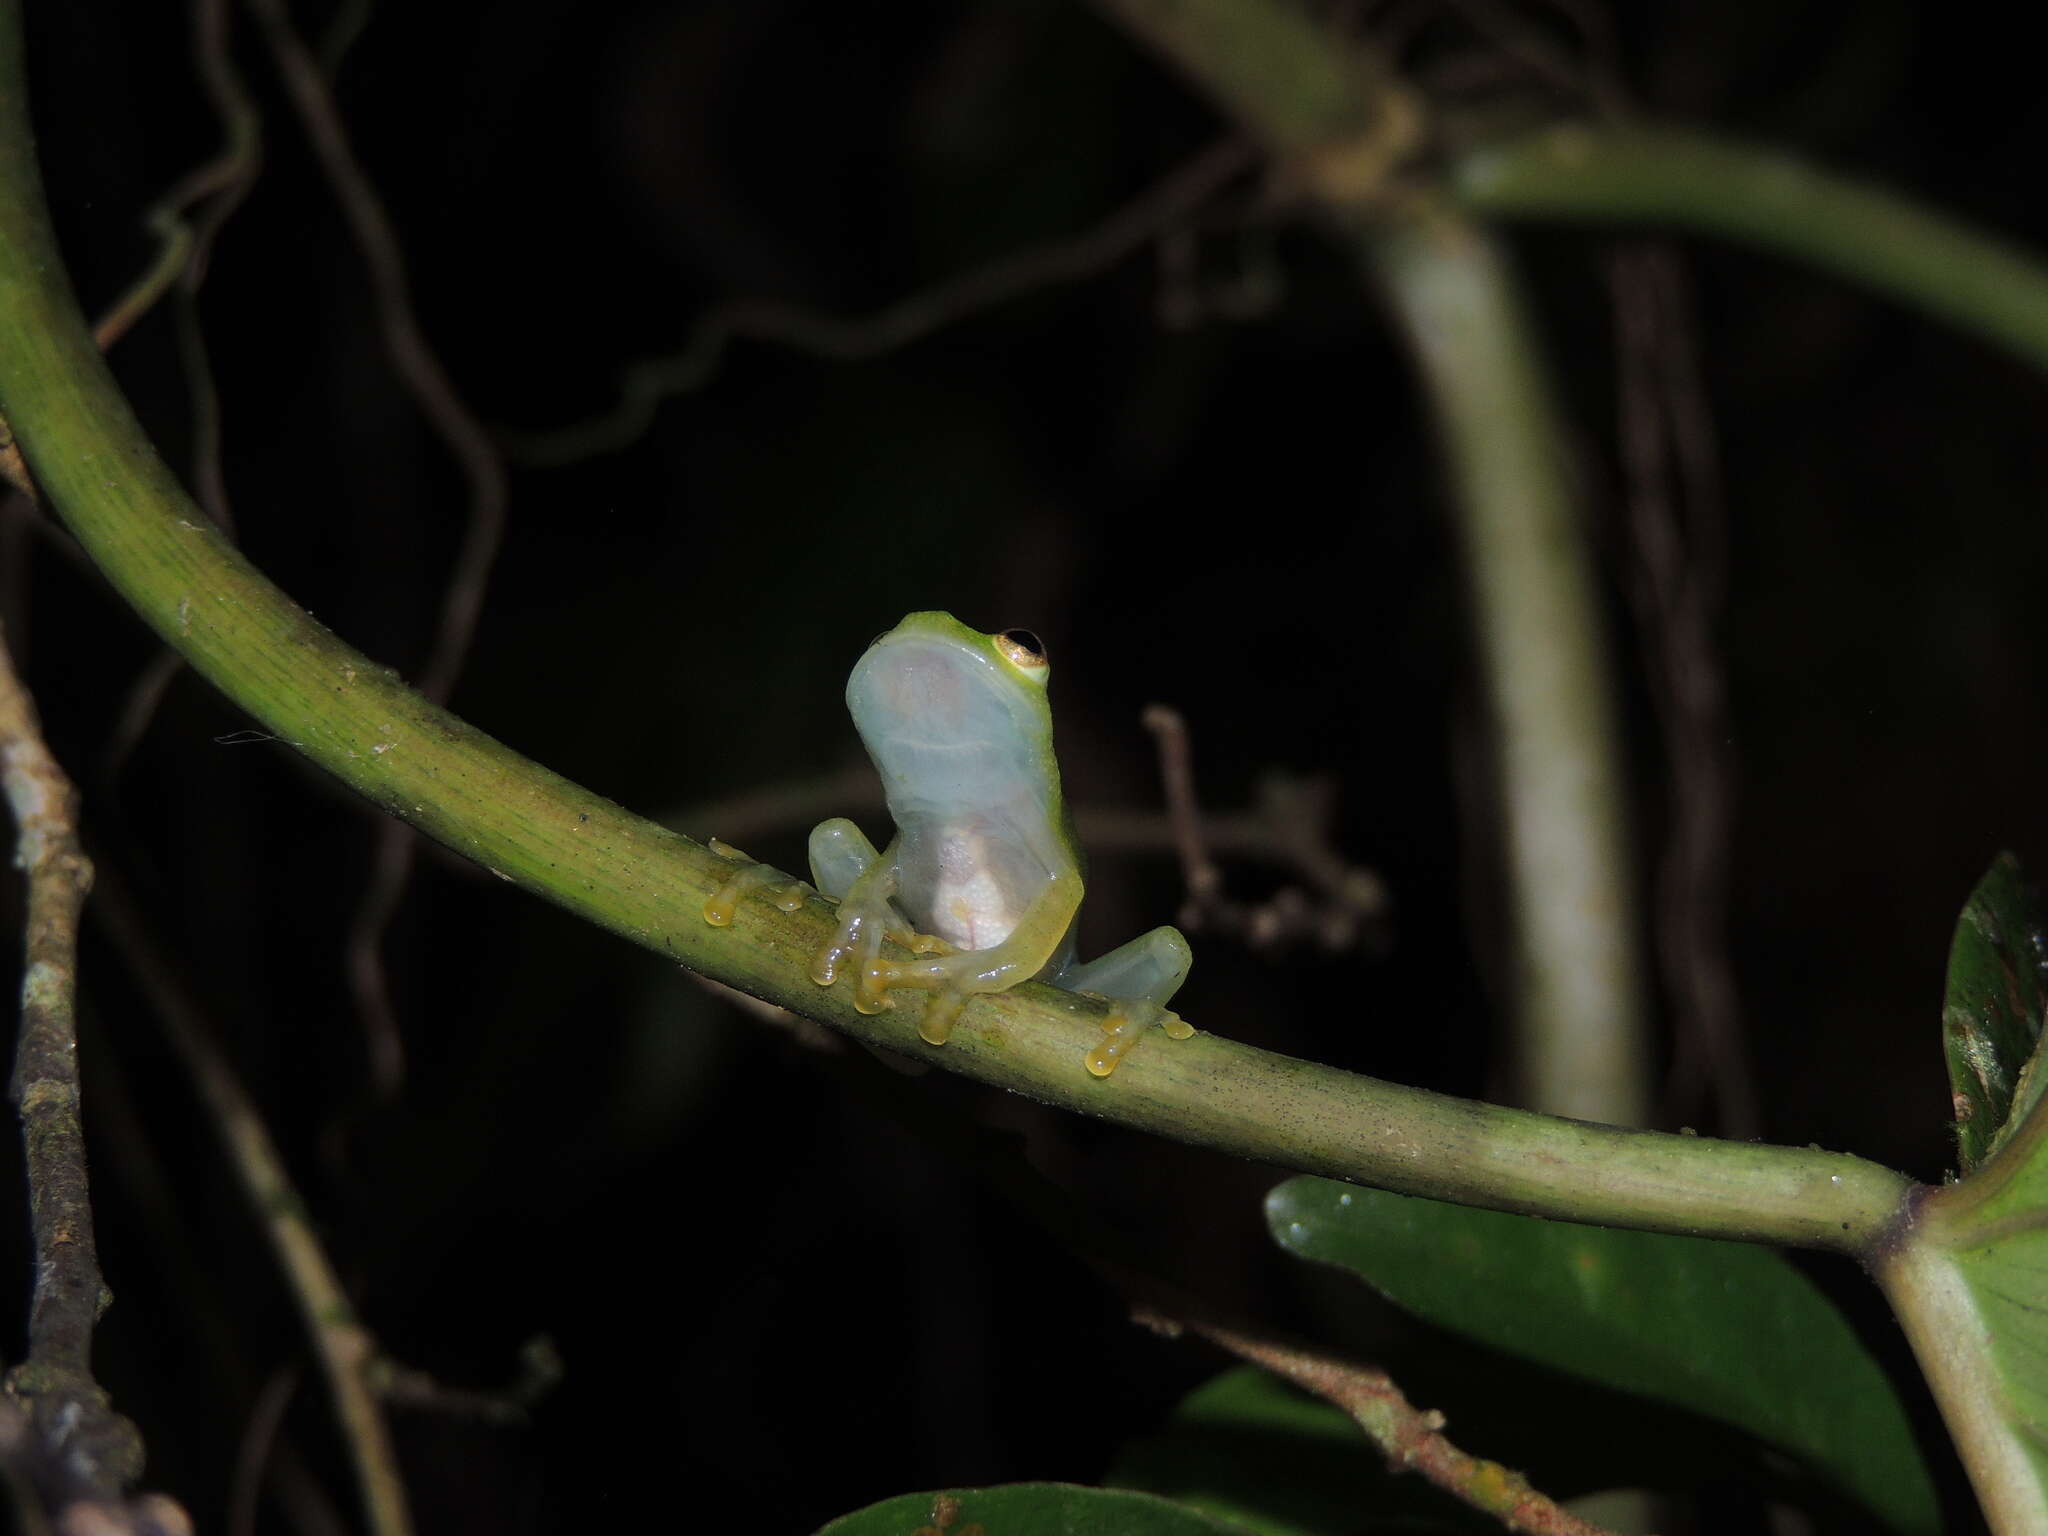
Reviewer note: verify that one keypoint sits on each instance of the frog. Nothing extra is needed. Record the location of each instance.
(983, 880)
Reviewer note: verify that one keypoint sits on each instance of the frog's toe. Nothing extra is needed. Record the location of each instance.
(871, 991)
(941, 1013)
(781, 890)
(1124, 1027)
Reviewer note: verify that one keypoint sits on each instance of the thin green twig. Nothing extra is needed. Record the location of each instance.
(1673, 178)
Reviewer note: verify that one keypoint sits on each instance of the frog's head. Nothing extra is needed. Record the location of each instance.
(953, 718)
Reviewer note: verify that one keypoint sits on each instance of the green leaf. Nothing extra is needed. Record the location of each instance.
(1991, 1017)
(1721, 1329)
(1246, 1447)
(1028, 1509)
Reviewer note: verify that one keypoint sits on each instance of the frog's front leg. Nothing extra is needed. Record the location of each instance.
(847, 868)
(1140, 978)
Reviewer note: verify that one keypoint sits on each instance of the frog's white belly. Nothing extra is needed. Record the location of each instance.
(969, 907)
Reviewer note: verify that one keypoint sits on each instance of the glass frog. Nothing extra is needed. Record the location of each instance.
(983, 879)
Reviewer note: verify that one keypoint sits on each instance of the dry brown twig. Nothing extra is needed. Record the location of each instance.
(1411, 1439)
(76, 1452)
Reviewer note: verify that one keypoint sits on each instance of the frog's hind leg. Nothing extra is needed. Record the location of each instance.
(1140, 978)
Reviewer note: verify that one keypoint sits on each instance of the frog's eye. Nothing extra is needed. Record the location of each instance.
(1023, 650)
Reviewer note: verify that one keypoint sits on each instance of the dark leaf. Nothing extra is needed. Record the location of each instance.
(1733, 1332)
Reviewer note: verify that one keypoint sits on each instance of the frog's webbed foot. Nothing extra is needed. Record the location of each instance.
(859, 941)
(949, 977)
(1125, 1025)
(783, 892)
(1138, 979)
(847, 867)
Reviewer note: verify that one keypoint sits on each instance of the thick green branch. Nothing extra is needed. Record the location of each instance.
(1575, 986)
(1777, 202)
(552, 837)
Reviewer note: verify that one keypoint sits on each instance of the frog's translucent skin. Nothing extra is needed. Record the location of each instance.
(982, 880)
(783, 892)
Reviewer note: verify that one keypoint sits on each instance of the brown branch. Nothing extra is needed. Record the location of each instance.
(425, 378)
(647, 384)
(1411, 1439)
(90, 1453)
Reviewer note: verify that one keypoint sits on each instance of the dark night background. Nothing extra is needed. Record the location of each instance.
(767, 1286)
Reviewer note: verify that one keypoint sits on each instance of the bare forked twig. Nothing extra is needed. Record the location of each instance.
(483, 471)
(1410, 1438)
(1348, 904)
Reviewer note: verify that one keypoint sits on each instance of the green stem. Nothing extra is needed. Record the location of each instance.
(560, 841)
(1944, 1321)
(1561, 787)
(1339, 122)
(1777, 202)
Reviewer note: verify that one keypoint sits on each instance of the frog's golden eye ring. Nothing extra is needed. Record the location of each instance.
(1023, 650)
